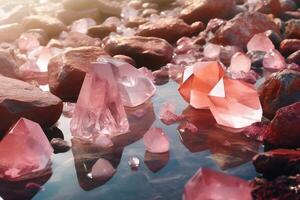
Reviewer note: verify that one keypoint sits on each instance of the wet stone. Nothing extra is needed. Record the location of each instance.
(59, 145)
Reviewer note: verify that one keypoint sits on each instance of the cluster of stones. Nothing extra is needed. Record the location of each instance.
(88, 52)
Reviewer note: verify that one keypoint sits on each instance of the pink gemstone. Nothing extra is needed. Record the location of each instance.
(134, 162)
(30, 154)
(27, 42)
(273, 60)
(212, 51)
(102, 170)
(175, 71)
(147, 73)
(129, 12)
(240, 63)
(104, 141)
(82, 25)
(188, 127)
(233, 103)
(99, 108)
(156, 141)
(134, 86)
(207, 184)
(260, 42)
(167, 114)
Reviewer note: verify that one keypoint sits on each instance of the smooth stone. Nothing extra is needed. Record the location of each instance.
(20, 99)
(101, 31)
(59, 145)
(15, 15)
(8, 66)
(68, 16)
(294, 58)
(266, 6)
(10, 32)
(292, 29)
(79, 4)
(289, 46)
(75, 39)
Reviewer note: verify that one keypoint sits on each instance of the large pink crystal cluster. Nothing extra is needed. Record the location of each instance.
(233, 103)
(24, 151)
(207, 184)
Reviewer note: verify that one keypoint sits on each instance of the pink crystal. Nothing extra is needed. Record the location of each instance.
(156, 141)
(99, 109)
(102, 170)
(188, 127)
(167, 114)
(104, 141)
(212, 51)
(30, 154)
(147, 72)
(134, 86)
(27, 42)
(82, 25)
(233, 103)
(273, 60)
(260, 42)
(134, 162)
(207, 184)
(240, 63)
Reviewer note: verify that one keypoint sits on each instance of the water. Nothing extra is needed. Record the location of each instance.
(158, 176)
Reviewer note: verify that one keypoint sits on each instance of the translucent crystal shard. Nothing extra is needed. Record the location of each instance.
(156, 141)
(102, 170)
(273, 60)
(30, 154)
(134, 86)
(233, 103)
(240, 63)
(99, 109)
(260, 42)
(212, 185)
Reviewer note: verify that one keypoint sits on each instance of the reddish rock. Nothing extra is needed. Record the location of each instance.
(169, 29)
(76, 39)
(101, 31)
(279, 90)
(110, 7)
(136, 22)
(285, 160)
(283, 131)
(294, 58)
(79, 4)
(292, 29)
(146, 51)
(10, 32)
(67, 71)
(288, 5)
(68, 16)
(266, 6)
(51, 25)
(239, 30)
(289, 46)
(20, 99)
(8, 66)
(204, 10)
(288, 15)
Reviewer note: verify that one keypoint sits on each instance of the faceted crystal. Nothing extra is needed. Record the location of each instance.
(156, 141)
(273, 60)
(167, 114)
(134, 86)
(27, 42)
(207, 184)
(30, 154)
(212, 51)
(102, 170)
(99, 108)
(134, 162)
(260, 42)
(82, 25)
(233, 103)
(239, 63)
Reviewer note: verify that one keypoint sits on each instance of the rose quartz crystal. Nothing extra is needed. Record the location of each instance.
(82, 25)
(30, 154)
(156, 141)
(27, 42)
(134, 86)
(207, 184)
(233, 103)
(212, 51)
(167, 114)
(260, 42)
(99, 109)
(273, 60)
(240, 63)
(102, 170)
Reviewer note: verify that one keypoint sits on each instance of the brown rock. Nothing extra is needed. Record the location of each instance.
(169, 29)
(20, 99)
(294, 58)
(76, 39)
(266, 6)
(110, 7)
(283, 131)
(146, 51)
(67, 71)
(10, 32)
(101, 31)
(126, 59)
(283, 159)
(279, 90)
(292, 29)
(79, 4)
(68, 16)
(242, 28)
(51, 25)
(289, 46)
(136, 22)
(204, 10)
(8, 66)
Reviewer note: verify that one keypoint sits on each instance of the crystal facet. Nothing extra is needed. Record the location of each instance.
(273, 60)
(99, 109)
(207, 184)
(30, 154)
(239, 63)
(156, 141)
(212, 51)
(233, 103)
(102, 170)
(134, 162)
(260, 42)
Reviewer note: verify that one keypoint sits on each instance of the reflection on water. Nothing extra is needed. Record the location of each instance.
(160, 176)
